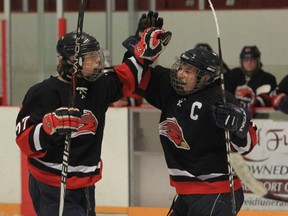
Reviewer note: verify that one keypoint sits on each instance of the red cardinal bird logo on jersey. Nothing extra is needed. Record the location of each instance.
(171, 129)
(88, 124)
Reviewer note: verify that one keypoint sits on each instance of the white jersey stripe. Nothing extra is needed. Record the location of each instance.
(82, 168)
(36, 137)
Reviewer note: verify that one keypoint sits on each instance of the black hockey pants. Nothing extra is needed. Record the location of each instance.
(206, 204)
(46, 198)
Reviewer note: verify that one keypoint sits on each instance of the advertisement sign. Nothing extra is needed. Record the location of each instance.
(268, 162)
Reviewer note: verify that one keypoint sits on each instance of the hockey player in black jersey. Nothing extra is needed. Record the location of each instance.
(191, 125)
(46, 118)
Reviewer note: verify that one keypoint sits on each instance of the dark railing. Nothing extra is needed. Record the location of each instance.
(121, 5)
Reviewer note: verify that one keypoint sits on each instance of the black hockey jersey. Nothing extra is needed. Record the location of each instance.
(236, 77)
(45, 152)
(194, 147)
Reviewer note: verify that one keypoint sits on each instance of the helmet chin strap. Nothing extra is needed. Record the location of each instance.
(65, 70)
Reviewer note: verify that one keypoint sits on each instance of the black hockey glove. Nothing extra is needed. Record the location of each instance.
(152, 43)
(149, 20)
(231, 117)
(63, 120)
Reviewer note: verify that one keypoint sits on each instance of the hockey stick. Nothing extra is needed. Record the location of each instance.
(235, 160)
(227, 135)
(242, 170)
(66, 152)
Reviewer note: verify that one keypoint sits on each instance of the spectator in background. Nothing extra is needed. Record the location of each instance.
(250, 83)
(206, 46)
(132, 100)
(280, 96)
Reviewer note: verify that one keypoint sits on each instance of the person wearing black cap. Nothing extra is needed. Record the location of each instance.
(249, 82)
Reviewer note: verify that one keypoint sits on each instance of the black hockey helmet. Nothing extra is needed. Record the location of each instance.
(205, 61)
(204, 46)
(249, 52)
(66, 48)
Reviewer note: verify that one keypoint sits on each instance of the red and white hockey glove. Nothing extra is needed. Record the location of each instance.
(152, 43)
(246, 97)
(280, 102)
(62, 121)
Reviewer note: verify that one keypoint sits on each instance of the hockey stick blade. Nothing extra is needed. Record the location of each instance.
(243, 172)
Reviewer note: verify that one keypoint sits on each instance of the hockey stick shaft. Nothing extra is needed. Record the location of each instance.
(65, 163)
(227, 135)
(235, 160)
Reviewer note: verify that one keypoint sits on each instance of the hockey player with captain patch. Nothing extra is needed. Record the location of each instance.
(191, 125)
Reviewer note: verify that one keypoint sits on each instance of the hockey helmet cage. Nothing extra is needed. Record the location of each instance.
(205, 61)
